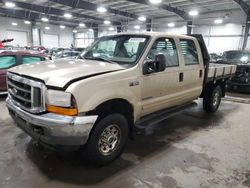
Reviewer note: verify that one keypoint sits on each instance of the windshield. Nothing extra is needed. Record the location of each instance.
(237, 56)
(121, 49)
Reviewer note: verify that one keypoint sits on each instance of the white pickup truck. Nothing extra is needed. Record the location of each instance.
(119, 82)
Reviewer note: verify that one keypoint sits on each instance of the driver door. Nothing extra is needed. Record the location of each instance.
(159, 90)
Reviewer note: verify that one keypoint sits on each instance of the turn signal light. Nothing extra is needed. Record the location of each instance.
(62, 111)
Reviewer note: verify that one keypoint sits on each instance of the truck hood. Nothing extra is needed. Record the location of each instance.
(59, 73)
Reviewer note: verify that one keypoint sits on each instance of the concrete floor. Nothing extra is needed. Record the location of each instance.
(192, 149)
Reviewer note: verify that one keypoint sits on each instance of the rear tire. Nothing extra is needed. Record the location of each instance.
(212, 99)
(108, 139)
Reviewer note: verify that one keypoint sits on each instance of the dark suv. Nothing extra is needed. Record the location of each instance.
(241, 81)
(13, 58)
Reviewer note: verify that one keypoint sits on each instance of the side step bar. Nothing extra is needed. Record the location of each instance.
(147, 123)
(236, 99)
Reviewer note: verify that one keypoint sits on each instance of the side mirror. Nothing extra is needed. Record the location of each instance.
(157, 65)
(160, 62)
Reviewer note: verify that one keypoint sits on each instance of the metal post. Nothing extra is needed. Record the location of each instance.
(95, 32)
(149, 25)
(246, 33)
(189, 27)
(119, 28)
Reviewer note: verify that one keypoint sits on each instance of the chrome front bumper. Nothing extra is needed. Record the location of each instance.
(53, 129)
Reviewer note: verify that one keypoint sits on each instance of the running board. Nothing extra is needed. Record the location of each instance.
(149, 122)
(236, 99)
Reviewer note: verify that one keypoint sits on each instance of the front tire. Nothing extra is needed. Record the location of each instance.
(212, 99)
(108, 139)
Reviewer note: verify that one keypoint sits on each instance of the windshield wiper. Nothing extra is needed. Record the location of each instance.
(101, 59)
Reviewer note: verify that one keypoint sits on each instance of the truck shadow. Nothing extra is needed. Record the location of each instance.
(3, 97)
(75, 169)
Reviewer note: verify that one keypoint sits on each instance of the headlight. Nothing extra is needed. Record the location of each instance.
(60, 102)
(58, 98)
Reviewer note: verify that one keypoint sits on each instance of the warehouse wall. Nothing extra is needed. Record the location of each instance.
(178, 29)
(220, 38)
(84, 38)
(59, 37)
(19, 32)
(65, 36)
(228, 36)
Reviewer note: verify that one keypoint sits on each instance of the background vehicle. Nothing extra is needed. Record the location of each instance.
(78, 49)
(241, 81)
(10, 59)
(54, 51)
(67, 54)
(214, 57)
(120, 82)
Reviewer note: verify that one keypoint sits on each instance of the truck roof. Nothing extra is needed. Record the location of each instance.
(156, 34)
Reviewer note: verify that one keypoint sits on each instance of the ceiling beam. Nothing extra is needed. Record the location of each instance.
(243, 5)
(169, 8)
(33, 16)
(57, 12)
(80, 4)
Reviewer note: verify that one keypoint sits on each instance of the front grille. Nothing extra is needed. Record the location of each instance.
(26, 93)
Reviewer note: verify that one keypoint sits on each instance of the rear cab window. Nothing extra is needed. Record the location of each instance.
(31, 59)
(7, 62)
(189, 52)
(167, 47)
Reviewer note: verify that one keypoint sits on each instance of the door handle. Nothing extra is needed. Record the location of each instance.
(181, 76)
(201, 73)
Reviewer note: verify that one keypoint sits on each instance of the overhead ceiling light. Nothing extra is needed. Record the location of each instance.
(101, 9)
(67, 15)
(142, 18)
(171, 24)
(47, 28)
(193, 13)
(218, 21)
(74, 31)
(137, 27)
(107, 22)
(27, 22)
(14, 24)
(82, 25)
(9, 4)
(62, 26)
(44, 19)
(155, 1)
(111, 29)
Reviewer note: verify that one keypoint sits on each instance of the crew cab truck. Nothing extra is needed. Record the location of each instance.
(97, 99)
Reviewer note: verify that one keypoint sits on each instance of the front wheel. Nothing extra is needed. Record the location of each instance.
(212, 99)
(108, 139)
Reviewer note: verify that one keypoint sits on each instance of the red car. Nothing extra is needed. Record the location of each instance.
(10, 59)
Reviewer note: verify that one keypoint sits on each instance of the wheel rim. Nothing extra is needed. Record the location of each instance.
(216, 99)
(109, 139)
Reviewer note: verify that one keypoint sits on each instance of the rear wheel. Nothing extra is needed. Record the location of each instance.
(212, 99)
(108, 139)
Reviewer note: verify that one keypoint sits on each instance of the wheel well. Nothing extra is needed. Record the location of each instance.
(212, 85)
(115, 106)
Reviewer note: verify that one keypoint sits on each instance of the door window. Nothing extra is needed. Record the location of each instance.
(7, 61)
(189, 52)
(167, 47)
(30, 59)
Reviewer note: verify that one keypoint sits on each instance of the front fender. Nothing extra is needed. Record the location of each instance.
(92, 92)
